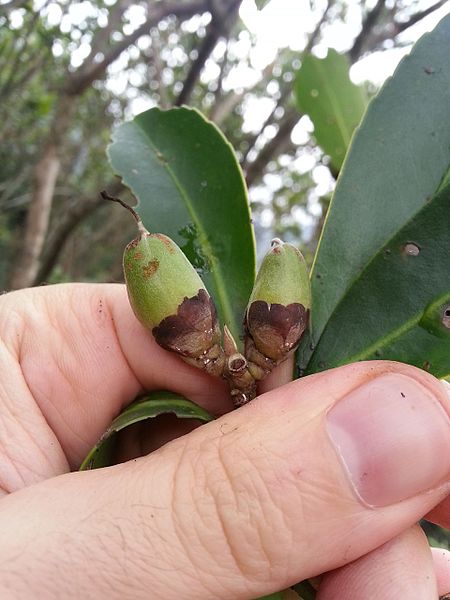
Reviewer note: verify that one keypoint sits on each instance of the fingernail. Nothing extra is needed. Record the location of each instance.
(393, 438)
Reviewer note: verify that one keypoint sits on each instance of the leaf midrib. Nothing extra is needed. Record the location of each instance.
(367, 265)
(216, 270)
(387, 339)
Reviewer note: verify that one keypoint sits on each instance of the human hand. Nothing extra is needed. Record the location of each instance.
(241, 507)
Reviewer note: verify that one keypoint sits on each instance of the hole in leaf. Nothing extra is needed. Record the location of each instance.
(446, 317)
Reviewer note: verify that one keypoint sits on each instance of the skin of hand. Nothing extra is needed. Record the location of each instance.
(326, 474)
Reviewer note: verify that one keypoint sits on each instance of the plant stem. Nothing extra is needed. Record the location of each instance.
(143, 230)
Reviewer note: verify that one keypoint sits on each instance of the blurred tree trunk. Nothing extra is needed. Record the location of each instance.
(64, 226)
(26, 267)
(38, 216)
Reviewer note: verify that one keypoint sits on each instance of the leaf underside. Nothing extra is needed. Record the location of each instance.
(149, 406)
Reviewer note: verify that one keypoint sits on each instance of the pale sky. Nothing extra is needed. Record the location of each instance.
(282, 22)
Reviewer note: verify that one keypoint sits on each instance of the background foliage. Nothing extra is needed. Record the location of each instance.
(70, 71)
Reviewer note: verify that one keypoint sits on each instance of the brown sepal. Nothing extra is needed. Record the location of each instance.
(193, 333)
(259, 365)
(276, 329)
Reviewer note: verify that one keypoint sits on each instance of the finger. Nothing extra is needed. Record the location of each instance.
(79, 353)
(441, 513)
(400, 568)
(441, 560)
(302, 480)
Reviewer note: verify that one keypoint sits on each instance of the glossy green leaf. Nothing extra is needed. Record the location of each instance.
(324, 92)
(438, 537)
(399, 307)
(149, 406)
(190, 187)
(397, 161)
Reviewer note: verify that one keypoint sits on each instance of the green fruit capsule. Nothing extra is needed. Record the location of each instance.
(278, 310)
(159, 277)
(168, 297)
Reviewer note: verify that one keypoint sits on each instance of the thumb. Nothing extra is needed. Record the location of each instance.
(302, 480)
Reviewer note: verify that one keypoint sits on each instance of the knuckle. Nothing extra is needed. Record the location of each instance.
(236, 510)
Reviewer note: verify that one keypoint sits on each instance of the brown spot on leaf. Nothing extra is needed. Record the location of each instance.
(150, 268)
(162, 159)
(138, 256)
(276, 329)
(411, 249)
(194, 330)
